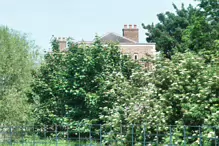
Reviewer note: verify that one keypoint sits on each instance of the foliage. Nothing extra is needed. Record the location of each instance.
(194, 29)
(70, 86)
(15, 76)
(180, 91)
(96, 84)
(167, 34)
(190, 87)
(29, 142)
(202, 34)
(135, 103)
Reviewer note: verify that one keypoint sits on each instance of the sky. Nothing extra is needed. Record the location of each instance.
(80, 19)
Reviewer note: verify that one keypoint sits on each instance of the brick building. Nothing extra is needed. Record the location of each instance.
(128, 42)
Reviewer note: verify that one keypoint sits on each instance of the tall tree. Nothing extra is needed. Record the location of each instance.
(204, 28)
(15, 76)
(187, 29)
(167, 34)
(210, 8)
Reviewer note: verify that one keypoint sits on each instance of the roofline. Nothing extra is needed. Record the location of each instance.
(117, 35)
(123, 44)
(124, 37)
(103, 35)
(145, 44)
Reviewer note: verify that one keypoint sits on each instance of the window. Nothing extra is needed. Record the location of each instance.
(136, 56)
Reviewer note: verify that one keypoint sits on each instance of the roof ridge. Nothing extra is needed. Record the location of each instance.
(124, 37)
(118, 35)
(102, 36)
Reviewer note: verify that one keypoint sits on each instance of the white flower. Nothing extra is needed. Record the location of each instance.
(210, 134)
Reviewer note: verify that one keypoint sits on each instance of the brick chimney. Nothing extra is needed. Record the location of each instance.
(131, 32)
(62, 43)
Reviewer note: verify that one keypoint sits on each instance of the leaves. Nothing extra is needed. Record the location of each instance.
(15, 76)
(78, 79)
(186, 29)
(169, 31)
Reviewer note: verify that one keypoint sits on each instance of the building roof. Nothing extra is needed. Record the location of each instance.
(113, 37)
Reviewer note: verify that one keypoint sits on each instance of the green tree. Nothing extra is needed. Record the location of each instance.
(210, 8)
(187, 29)
(189, 86)
(202, 34)
(167, 34)
(15, 76)
(70, 86)
(136, 104)
(183, 89)
(180, 91)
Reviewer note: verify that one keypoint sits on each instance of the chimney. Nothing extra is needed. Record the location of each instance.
(131, 32)
(62, 43)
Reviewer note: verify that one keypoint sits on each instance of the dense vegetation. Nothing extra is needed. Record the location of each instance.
(96, 84)
(192, 28)
(16, 66)
(71, 86)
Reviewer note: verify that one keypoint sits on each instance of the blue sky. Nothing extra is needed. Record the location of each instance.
(80, 18)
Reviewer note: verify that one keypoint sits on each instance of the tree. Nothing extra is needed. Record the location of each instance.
(15, 76)
(70, 86)
(180, 91)
(167, 34)
(187, 29)
(136, 106)
(210, 8)
(190, 87)
(204, 28)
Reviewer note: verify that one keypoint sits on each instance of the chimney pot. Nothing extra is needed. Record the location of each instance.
(135, 26)
(130, 26)
(125, 26)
